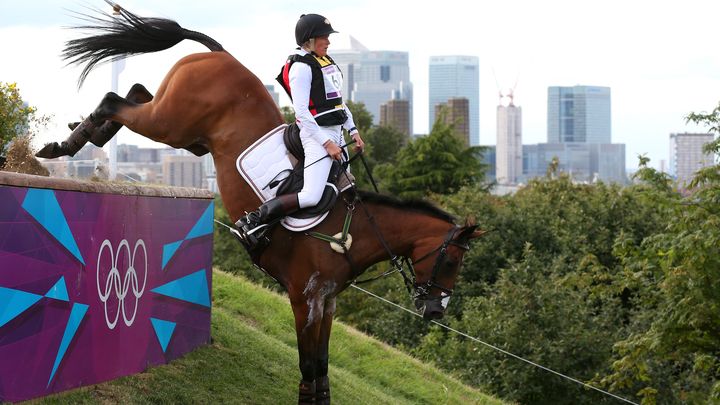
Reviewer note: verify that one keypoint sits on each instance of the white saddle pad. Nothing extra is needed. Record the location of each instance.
(261, 163)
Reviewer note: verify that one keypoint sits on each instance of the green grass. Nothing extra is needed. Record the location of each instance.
(253, 360)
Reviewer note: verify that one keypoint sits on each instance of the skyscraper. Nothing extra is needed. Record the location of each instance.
(578, 114)
(457, 114)
(509, 154)
(396, 114)
(687, 156)
(456, 76)
(373, 77)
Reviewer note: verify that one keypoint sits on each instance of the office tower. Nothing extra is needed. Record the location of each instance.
(509, 156)
(584, 162)
(182, 171)
(456, 76)
(396, 114)
(687, 156)
(578, 114)
(373, 77)
(456, 113)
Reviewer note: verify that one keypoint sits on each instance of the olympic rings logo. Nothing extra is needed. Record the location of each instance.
(118, 285)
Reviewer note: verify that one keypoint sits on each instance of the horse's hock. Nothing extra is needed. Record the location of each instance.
(98, 280)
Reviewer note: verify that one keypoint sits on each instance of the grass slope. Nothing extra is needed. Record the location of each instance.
(253, 360)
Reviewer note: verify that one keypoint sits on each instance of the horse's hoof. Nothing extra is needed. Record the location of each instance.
(50, 151)
(307, 392)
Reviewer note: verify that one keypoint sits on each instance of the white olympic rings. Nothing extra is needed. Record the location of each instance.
(113, 282)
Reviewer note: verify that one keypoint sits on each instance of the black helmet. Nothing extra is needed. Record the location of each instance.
(312, 26)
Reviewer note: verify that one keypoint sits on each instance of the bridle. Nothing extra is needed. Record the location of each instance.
(422, 290)
(418, 291)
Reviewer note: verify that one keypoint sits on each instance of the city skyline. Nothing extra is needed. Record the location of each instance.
(659, 68)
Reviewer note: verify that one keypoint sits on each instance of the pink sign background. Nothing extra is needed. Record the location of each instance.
(95, 286)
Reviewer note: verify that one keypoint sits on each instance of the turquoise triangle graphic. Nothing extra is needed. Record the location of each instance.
(204, 225)
(14, 302)
(163, 331)
(169, 250)
(58, 291)
(191, 288)
(76, 316)
(44, 207)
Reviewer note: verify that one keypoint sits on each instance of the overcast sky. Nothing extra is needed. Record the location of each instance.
(660, 58)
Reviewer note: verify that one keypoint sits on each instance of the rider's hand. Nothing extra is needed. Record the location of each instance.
(333, 150)
(359, 144)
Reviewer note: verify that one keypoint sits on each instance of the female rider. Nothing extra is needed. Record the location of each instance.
(314, 83)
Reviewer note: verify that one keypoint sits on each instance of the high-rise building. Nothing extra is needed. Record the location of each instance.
(396, 114)
(687, 156)
(456, 113)
(182, 171)
(451, 77)
(373, 77)
(585, 162)
(509, 156)
(578, 114)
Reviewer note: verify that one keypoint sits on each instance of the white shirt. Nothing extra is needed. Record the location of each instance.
(300, 77)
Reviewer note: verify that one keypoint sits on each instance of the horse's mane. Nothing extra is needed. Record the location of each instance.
(414, 204)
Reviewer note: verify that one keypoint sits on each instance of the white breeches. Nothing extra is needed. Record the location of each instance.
(315, 176)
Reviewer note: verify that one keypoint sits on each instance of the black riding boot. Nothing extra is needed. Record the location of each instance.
(274, 209)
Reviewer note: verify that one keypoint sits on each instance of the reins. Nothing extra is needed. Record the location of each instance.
(398, 263)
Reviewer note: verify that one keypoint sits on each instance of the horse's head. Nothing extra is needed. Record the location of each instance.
(436, 269)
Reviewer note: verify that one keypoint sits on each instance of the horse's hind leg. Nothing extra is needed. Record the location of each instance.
(95, 128)
(138, 94)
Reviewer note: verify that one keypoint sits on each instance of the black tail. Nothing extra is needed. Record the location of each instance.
(124, 36)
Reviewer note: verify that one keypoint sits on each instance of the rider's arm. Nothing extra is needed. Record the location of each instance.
(300, 77)
(349, 125)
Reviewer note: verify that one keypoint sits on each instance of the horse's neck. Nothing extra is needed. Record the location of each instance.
(404, 231)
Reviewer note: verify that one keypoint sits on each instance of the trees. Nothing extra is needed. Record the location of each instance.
(672, 354)
(16, 117)
(541, 284)
(438, 163)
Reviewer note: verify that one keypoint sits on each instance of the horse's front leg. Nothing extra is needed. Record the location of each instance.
(308, 312)
(322, 381)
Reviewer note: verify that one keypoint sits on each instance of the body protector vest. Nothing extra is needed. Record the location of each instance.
(326, 104)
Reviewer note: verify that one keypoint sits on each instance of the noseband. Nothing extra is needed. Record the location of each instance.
(422, 290)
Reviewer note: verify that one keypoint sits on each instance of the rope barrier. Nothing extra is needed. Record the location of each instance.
(495, 347)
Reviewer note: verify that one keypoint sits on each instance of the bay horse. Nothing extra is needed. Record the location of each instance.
(209, 102)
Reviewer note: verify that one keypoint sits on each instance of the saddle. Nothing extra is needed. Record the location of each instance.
(293, 183)
(274, 166)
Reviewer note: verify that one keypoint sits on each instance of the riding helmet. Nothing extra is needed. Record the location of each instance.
(312, 26)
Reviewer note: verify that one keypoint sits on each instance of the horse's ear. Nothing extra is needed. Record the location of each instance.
(469, 232)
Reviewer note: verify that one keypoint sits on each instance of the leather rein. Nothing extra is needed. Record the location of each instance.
(415, 289)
